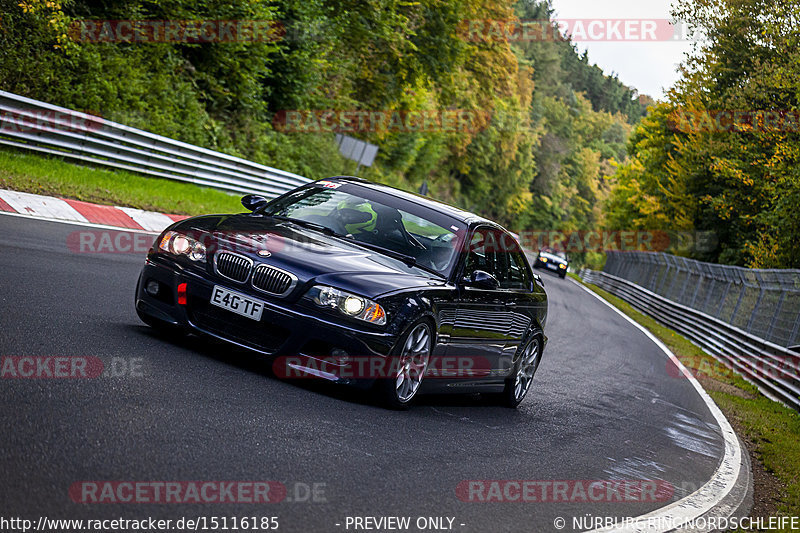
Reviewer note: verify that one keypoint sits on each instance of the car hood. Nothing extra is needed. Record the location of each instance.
(310, 255)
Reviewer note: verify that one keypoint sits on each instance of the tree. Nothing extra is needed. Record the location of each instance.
(723, 152)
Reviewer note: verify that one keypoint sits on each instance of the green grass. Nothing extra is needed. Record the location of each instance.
(772, 430)
(53, 176)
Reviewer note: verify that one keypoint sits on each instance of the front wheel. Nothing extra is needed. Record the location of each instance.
(518, 384)
(408, 367)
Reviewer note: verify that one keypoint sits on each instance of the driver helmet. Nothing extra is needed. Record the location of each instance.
(364, 207)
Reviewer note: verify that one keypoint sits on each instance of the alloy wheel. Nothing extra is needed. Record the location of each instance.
(413, 362)
(527, 366)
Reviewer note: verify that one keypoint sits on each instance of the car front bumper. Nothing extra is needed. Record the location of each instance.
(289, 332)
(552, 266)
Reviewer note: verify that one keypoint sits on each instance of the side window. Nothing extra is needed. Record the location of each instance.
(493, 251)
(519, 274)
(479, 256)
(510, 272)
(502, 262)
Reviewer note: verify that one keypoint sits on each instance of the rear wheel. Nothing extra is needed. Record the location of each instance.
(519, 382)
(408, 367)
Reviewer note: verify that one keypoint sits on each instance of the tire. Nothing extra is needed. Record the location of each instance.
(408, 365)
(562, 276)
(519, 382)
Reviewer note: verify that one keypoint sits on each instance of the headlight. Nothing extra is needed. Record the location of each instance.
(180, 244)
(562, 265)
(348, 304)
(543, 259)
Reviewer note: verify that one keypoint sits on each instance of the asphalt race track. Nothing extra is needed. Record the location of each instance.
(605, 404)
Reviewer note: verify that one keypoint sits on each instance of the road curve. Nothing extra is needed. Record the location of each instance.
(605, 404)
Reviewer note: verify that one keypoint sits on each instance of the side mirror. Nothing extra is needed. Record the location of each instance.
(480, 279)
(251, 202)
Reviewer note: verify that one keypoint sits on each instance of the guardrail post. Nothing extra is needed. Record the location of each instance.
(697, 287)
(761, 291)
(662, 287)
(686, 281)
(671, 288)
(728, 283)
(795, 330)
(775, 316)
(656, 270)
(708, 296)
(739, 301)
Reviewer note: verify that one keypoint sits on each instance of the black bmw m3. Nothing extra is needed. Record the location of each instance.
(358, 283)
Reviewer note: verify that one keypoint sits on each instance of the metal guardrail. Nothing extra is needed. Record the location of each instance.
(33, 125)
(775, 370)
(765, 303)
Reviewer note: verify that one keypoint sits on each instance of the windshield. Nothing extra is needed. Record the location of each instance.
(553, 253)
(424, 236)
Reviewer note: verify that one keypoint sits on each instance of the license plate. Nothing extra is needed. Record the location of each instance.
(551, 266)
(236, 302)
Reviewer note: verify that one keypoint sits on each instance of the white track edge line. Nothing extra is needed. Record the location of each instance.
(80, 223)
(725, 476)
